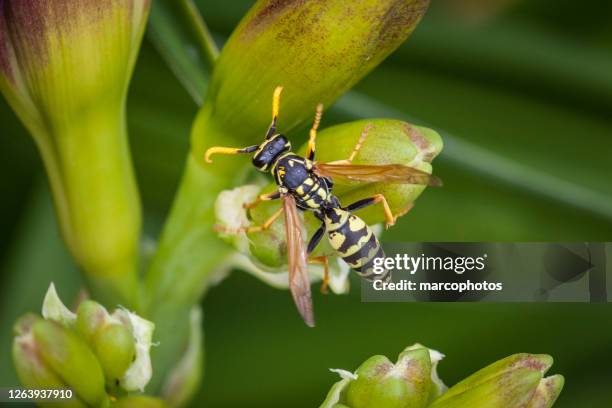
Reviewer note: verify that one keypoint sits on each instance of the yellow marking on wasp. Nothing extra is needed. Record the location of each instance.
(311, 203)
(309, 181)
(365, 259)
(358, 263)
(279, 158)
(322, 193)
(312, 191)
(358, 245)
(341, 214)
(300, 190)
(281, 171)
(356, 223)
(373, 251)
(336, 240)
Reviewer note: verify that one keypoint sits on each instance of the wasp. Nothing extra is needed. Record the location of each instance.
(306, 185)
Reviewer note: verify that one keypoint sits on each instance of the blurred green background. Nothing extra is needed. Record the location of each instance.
(522, 92)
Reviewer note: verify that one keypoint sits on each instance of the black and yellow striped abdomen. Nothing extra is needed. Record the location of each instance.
(355, 243)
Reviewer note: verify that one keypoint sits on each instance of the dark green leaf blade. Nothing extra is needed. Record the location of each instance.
(180, 35)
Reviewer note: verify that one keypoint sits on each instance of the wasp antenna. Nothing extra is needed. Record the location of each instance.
(318, 115)
(313, 132)
(227, 150)
(276, 101)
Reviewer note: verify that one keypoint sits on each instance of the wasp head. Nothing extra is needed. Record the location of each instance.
(269, 151)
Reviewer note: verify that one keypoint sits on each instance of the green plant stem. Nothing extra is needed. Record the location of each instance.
(189, 251)
(90, 172)
(181, 252)
(188, 256)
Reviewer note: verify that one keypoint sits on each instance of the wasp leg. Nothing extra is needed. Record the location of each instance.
(378, 198)
(253, 228)
(316, 238)
(275, 109)
(323, 261)
(313, 132)
(262, 197)
(362, 139)
(228, 150)
(312, 244)
(357, 147)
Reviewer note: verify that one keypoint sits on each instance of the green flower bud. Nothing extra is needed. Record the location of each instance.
(114, 346)
(316, 50)
(411, 382)
(536, 362)
(510, 382)
(547, 392)
(388, 141)
(112, 343)
(91, 316)
(382, 384)
(437, 385)
(513, 382)
(64, 69)
(510, 390)
(121, 341)
(48, 355)
(31, 368)
(335, 393)
(139, 401)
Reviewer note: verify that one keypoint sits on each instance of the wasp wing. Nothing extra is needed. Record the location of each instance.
(299, 284)
(374, 173)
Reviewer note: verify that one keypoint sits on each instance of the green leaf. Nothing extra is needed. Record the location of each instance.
(180, 35)
(571, 70)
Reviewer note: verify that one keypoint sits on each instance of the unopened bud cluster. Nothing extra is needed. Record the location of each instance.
(412, 382)
(101, 356)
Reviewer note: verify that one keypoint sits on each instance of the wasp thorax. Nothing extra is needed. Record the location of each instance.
(269, 151)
